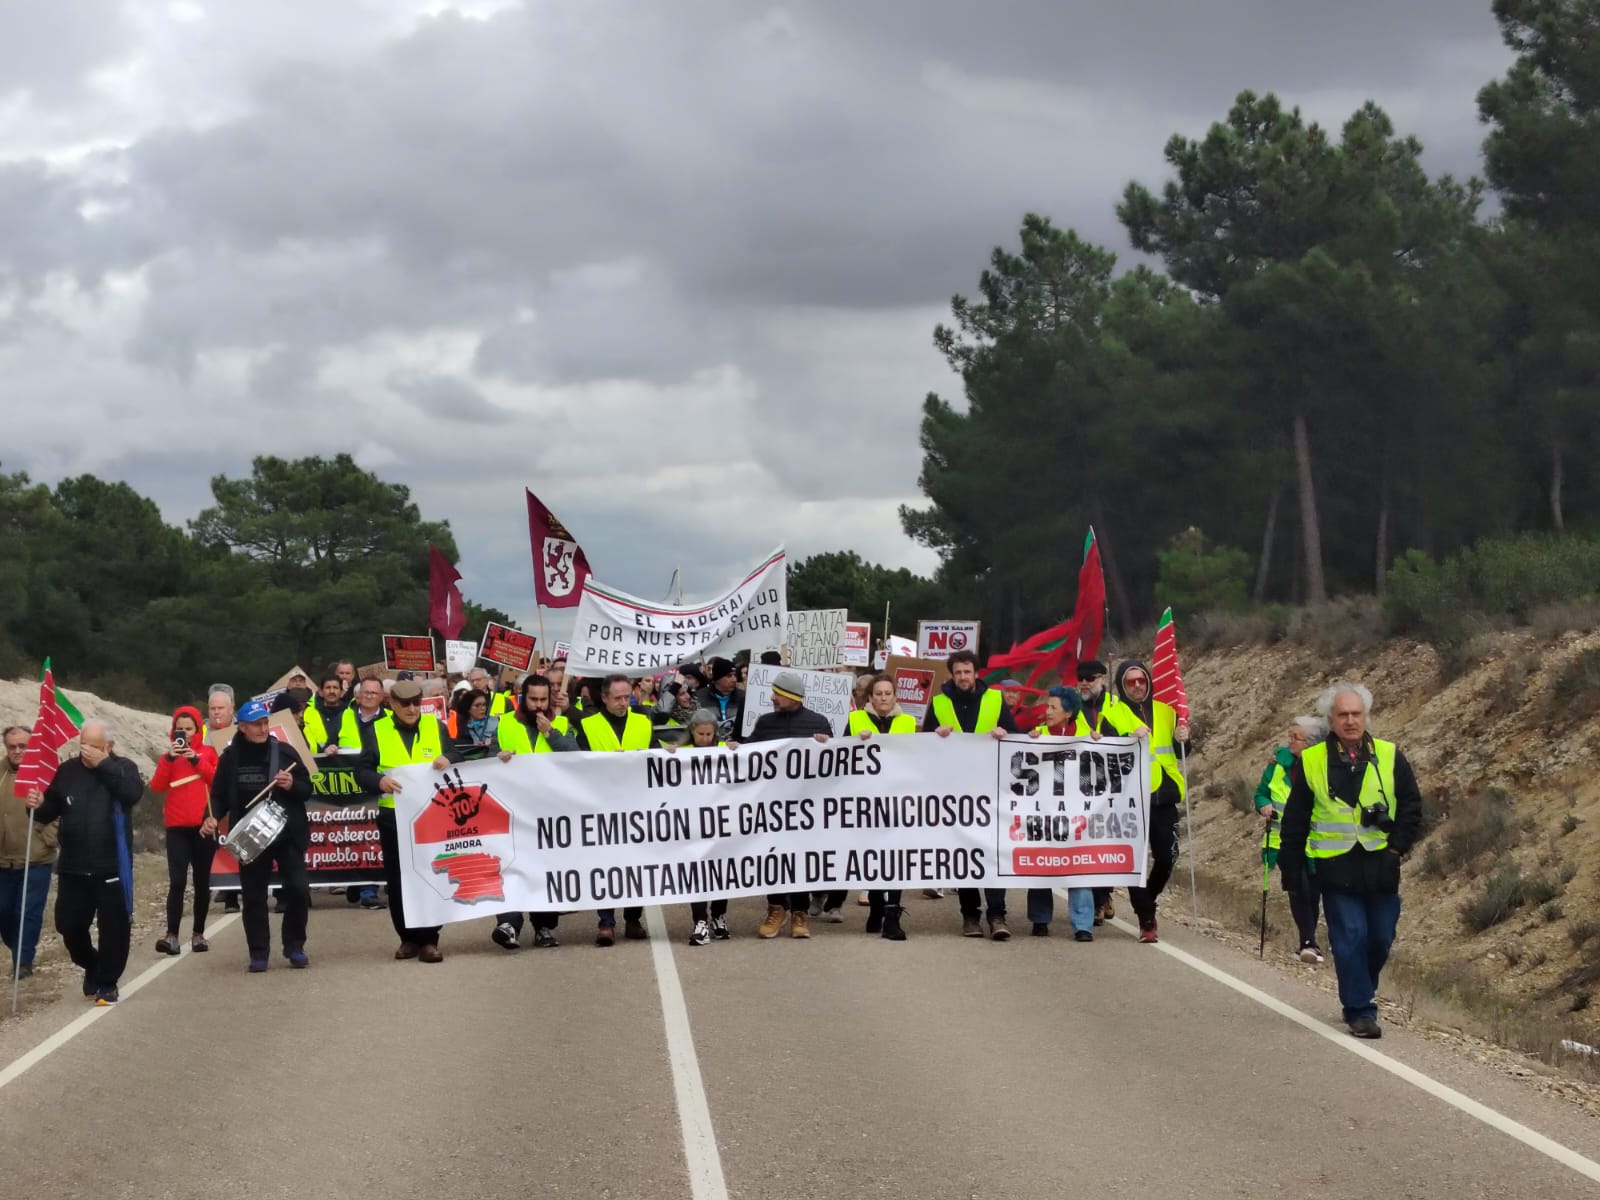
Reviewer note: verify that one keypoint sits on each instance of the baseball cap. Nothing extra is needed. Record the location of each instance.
(790, 684)
(253, 710)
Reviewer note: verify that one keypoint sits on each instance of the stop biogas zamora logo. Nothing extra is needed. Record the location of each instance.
(463, 841)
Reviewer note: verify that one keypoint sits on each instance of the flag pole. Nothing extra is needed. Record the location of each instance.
(22, 918)
(1188, 820)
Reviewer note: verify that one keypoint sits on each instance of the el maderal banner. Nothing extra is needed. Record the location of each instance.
(582, 831)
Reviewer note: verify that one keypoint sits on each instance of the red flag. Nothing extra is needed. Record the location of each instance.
(446, 610)
(57, 724)
(1059, 649)
(559, 565)
(1167, 682)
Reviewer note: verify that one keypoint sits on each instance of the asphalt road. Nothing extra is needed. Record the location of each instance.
(845, 1066)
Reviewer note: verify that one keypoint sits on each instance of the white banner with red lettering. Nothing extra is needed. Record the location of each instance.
(594, 830)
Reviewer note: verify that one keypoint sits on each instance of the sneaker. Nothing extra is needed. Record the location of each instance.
(258, 964)
(816, 908)
(106, 997)
(970, 927)
(833, 916)
(1310, 954)
(719, 929)
(605, 935)
(1082, 935)
(1040, 929)
(799, 925)
(199, 944)
(168, 945)
(297, 957)
(545, 939)
(505, 934)
(933, 893)
(777, 916)
(863, 899)
(998, 930)
(1366, 1027)
(633, 929)
(701, 935)
(1147, 932)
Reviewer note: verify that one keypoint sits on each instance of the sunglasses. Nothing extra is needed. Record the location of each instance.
(406, 703)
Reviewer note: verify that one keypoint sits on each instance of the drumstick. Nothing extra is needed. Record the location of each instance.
(258, 795)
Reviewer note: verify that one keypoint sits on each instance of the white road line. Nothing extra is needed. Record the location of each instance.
(694, 1114)
(64, 1035)
(1495, 1120)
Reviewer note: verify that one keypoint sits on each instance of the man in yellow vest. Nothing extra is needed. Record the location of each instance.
(480, 681)
(1159, 725)
(966, 705)
(617, 727)
(328, 721)
(1353, 811)
(407, 735)
(1272, 793)
(532, 729)
(882, 715)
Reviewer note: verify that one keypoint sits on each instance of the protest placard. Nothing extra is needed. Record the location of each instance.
(508, 647)
(815, 637)
(562, 650)
(940, 639)
(459, 656)
(403, 653)
(827, 692)
(615, 633)
(893, 647)
(857, 649)
(580, 831)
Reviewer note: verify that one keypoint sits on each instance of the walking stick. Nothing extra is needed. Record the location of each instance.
(22, 918)
(1188, 820)
(1266, 873)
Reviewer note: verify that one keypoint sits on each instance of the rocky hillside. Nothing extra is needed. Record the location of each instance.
(141, 736)
(1502, 898)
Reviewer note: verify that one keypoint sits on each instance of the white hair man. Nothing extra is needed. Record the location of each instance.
(1272, 793)
(92, 796)
(1353, 811)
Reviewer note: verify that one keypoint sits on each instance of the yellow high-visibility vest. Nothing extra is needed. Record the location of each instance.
(513, 736)
(861, 722)
(635, 734)
(1336, 827)
(392, 752)
(988, 711)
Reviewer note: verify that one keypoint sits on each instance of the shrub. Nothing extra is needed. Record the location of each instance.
(1479, 823)
(1539, 890)
(1580, 1001)
(1580, 932)
(1552, 911)
(1195, 575)
(1433, 864)
(1503, 893)
(1575, 692)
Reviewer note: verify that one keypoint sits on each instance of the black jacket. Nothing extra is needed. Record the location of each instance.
(797, 723)
(1357, 870)
(708, 698)
(966, 706)
(90, 806)
(231, 795)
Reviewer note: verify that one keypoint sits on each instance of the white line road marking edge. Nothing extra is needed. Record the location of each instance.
(694, 1114)
(1495, 1120)
(77, 1025)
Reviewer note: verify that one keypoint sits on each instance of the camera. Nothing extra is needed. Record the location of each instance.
(1376, 816)
(180, 741)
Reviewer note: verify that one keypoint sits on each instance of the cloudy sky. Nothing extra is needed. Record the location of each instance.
(674, 265)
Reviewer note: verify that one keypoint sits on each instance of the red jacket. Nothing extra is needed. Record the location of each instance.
(186, 782)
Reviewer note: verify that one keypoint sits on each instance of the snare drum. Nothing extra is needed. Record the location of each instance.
(257, 830)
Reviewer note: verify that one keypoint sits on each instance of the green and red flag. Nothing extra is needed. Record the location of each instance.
(57, 724)
(1167, 675)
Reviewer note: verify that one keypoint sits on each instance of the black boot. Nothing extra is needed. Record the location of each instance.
(891, 924)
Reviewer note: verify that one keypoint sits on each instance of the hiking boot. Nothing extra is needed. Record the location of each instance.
(833, 916)
(891, 924)
(1366, 1027)
(605, 935)
(430, 954)
(875, 921)
(971, 927)
(1082, 935)
(168, 944)
(1040, 929)
(106, 997)
(777, 915)
(701, 935)
(1310, 954)
(633, 929)
(1107, 911)
(545, 939)
(1147, 932)
(199, 944)
(505, 934)
(998, 930)
(799, 925)
(719, 929)
(258, 963)
(407, 950)
(297, 957)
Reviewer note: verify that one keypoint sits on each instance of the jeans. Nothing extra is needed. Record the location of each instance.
(186, 851)
(1360, 932)
(29, 909)
(995, 898)
(84, 902)
(1080, 907)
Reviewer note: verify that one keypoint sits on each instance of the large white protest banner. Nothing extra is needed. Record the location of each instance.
(827, 692)
(580, 831)
(941, 639)
(815, 637)
(619, 634)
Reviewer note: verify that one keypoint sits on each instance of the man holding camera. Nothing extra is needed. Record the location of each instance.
(1353, 811)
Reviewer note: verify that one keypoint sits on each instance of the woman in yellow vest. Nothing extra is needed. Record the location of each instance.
(1063, 717)
(1272, 793)
(710, 916)
(882, 715)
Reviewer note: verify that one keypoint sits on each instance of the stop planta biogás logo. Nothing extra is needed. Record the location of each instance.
(463, 841)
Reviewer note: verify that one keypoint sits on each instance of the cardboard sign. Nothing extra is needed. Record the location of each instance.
(923, 677)
(283, 682)
(815, 637)
(893, 647)
(940, 639)
(284, 727)
(508, 647)
(459, 656)
(827, 692)
(402, 653)
(857, 648)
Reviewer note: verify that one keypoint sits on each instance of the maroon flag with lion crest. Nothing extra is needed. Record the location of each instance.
(559, 566)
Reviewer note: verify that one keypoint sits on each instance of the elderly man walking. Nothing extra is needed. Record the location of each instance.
(1353, 811)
